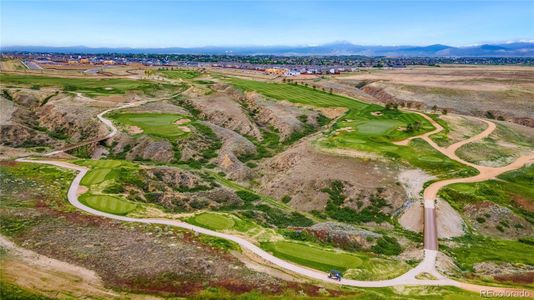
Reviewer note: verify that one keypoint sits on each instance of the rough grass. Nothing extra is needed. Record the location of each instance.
(107, 203)
(36, 182)
(156, 124)
(518, 184)
(475, 249)
(180, 74)
(212, 221)
(88, 86)
(297, 94)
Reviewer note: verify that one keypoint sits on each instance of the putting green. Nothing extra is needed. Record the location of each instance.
(109, 204)
(378, 127)
(95, 176)
(214, 221)
(314, 257)
(162, 125)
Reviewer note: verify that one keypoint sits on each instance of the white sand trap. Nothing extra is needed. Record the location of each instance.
(134, 130)
(184, 128)
(182, 121)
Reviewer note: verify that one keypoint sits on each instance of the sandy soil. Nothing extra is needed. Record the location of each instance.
(332, 113)
(49, 276)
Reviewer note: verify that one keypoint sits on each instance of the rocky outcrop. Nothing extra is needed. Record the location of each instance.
(343, 235)
(173, 179)
(234, 145)
(20, 136)
(217, 198)
(286, 118)
(225, 111)
(46, 118)
(77, 122)
(148, 149)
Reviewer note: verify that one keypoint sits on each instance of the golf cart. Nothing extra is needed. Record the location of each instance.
(336, 275)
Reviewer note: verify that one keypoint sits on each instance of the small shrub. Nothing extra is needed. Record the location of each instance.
(387, 245)
(481, 220)
(286, 199)
(247, 196)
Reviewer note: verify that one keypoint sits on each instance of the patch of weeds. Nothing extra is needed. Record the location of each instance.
(219, 243)
(387, 245)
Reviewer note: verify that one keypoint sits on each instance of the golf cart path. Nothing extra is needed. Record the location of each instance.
(485, 173)
(427, 265)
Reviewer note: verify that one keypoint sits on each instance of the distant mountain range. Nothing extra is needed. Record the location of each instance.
(516, 49)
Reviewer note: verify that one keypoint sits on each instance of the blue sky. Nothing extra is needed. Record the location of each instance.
(200, 23)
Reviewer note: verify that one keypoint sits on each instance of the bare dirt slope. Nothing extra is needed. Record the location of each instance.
(302, 172)
(51, 277)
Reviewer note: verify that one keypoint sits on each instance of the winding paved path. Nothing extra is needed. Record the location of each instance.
(427, 265)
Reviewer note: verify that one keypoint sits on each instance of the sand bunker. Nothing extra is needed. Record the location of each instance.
(184, 128)
(134, 130)
(182, 121)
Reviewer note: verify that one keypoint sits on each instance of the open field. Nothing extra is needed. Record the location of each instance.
(297, 94)
(88, 86)
(180, 74)
(505, 91)
(501, 147)
(11, 65)
(161, 125)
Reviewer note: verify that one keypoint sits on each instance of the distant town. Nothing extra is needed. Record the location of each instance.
(277, 65)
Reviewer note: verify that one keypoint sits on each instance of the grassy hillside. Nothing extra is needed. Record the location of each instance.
(88, 86)
(297, 94)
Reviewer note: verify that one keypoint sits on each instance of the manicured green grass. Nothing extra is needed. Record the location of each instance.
(180, 74)
(95, 176)
(213, 221)
(356, 265)
(104, 163)
(107, 203)
(314, 257)
(89, 86)
(161, 125)
(297, 94)
(388, 126)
